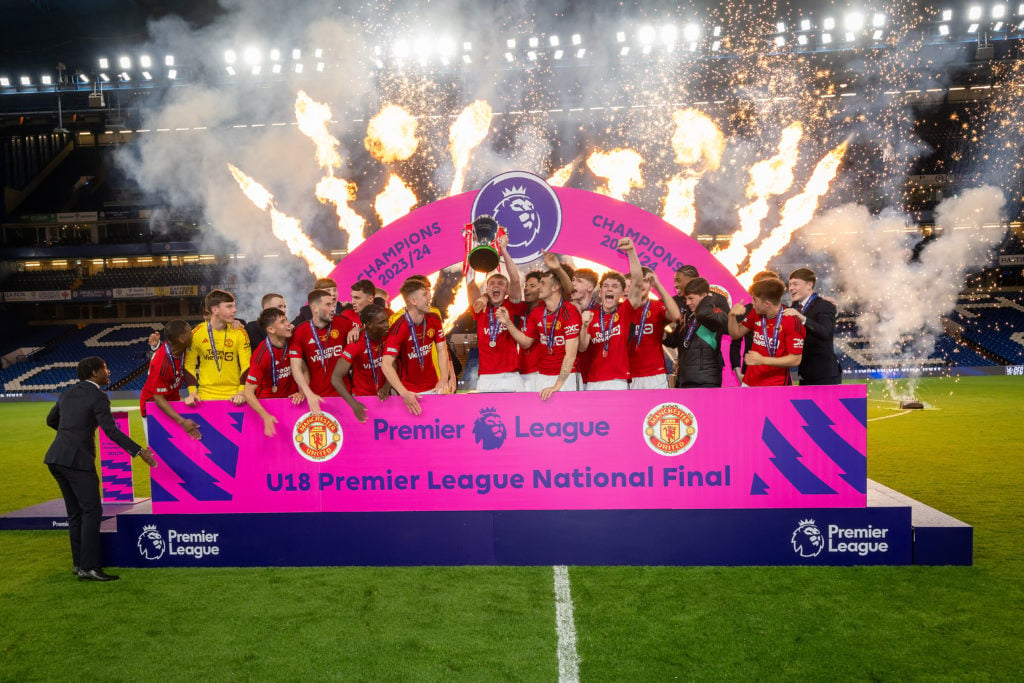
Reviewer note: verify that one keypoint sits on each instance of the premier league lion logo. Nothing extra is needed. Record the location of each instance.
(489, 430)
(151, 544)
(526, 207)
(807, 539)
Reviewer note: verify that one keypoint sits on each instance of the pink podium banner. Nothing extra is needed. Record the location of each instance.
(783, 447)
(116, 464)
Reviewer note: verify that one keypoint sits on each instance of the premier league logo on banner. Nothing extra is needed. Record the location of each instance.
(526, 207)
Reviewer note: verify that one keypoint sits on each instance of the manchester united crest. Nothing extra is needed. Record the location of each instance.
(670, 429)
(335, 334)
(318, 438)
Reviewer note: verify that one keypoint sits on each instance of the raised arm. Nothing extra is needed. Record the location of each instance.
(515, 280)
(551, 261)
(672, 312)
(635, 293)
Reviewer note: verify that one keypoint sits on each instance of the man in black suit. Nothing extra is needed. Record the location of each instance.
(819, 364)
(72, 462)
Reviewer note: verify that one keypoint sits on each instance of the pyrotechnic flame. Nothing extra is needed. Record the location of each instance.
(284, 227)
(796, 213)
(771, 176)
(560, 177)
(391, 135)
(340, 192)
(620, 167)
(460, 302)
(598, 268)
(394, 201)
(468, 131)
(313, 117)
(698, 143)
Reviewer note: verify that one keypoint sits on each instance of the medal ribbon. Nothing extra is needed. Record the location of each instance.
(643, 323)
(690, 329)
(773, 344)
(273, 363)
(607, 337)
(493, 326)
(807, 302)
(415, 338)
(551, 332)
(373, 362)
(213, 346)
(319, 345)
(179, 372)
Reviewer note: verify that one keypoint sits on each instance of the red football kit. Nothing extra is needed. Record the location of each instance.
(550, 331)
(609, 337)
(267, 360)
(321, 351)
(775, 336)
(365, 355)
(646, 358)
(529, 359)
(166, 373)
(415, 367)
(499, 352)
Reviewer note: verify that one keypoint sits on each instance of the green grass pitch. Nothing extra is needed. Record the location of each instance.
(963, 456)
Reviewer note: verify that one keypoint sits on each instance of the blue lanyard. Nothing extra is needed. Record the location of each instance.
(273, 363)
(643, 323)
(213, 347)
(550, 332)
(772, 345)
(805, 304)
(690, 329)
(320, 346)
(415, 338)
(373, 362)
(493, 326)
(179, 372)
(607, 337)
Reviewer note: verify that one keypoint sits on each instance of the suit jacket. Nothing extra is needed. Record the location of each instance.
(819, 364)
(75, 416)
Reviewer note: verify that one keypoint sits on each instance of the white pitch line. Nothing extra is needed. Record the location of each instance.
(886, 417)
(568, 659)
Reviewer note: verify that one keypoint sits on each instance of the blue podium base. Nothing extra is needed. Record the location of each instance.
(892, 530)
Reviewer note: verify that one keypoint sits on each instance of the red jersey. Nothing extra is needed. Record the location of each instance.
(265, 357)
(366, 355)
(321, 351)
(551, 331)
(353, 317)
(528, 358)
(166, 373)
(787, 340)
(646, 358)
(609, 336)
(498, 350)
(416, 369)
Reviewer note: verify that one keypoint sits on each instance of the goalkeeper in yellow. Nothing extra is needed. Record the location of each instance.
(221, 350)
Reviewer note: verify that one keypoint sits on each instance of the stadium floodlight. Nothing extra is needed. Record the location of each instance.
(169, 60)
(624, 51)
(717, 32)
(826, 38)
(299, 68)
(973, 28)
(320, 66)
(531, 55)
(691, 32)
(466, 59)
(276, 68)
(5, 82)
(105, 78)
(716, 46)
(780, 41)
(230, 69)
(877, 35)
(172, 74)
(554, 41)
(943, 30)
(850, 36)
(251, 55)
(83, 78)
(581, 53)
(318, 53)
(145, 62)
(230, 57)
(947, 15)
(510, 43)
(878, 20)
(104, 63)
(559, 54)
(780, 27)
(422, 47)
(805, 24)
(828, 24)
(1020, 9)
(509, 57)
(296, 54)
(446, 47)
(534, 42)
(853, 21)
(669, 34)
(148, 76)
(46, 79)
(26, 80)
(275, 55)
(998, 26)
(124, 76)
(998, 11)
(646, 35)
(400, 49)
(801, 39)
(620, 37)
(125, 62)
(256, 69)
(974, 13)
(467, 46)
(646, 49)
(577, 39)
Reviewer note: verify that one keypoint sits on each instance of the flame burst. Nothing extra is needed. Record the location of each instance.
(698, 143)
(768, 177)
(560, 177)
(466, 134)
(620, 167)
(340, 192)
(394, 201)
(460, 303)
(391, 135)
(313, 117)
(796, 213)
(285, 228)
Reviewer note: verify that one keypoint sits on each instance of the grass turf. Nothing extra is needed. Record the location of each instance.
(645, 623)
